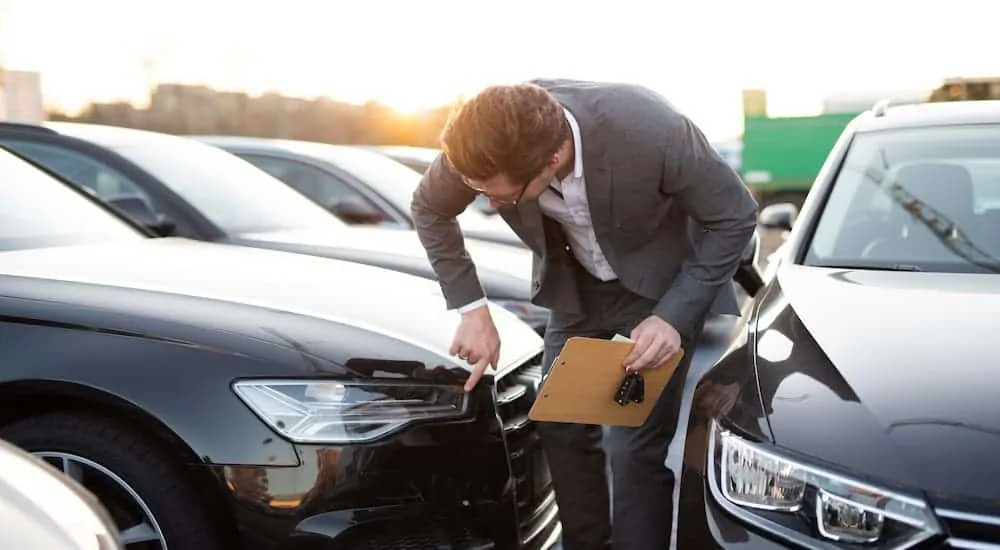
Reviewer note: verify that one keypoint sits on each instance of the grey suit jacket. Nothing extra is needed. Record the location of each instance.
(670, 215)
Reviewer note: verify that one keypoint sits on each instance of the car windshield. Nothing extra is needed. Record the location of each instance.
(232, 193)
(37, 211)
(922, 199)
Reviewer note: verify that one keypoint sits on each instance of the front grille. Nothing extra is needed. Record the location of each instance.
(531, 482)
(972, 531)
(431, 532)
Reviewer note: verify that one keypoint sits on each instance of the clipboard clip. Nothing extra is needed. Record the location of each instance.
(631, 390)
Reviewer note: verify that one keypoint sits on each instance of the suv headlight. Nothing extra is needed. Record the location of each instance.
(336, 412)
(809, 505)
(536, 316)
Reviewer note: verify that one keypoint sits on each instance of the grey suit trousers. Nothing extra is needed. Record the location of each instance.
(641, 516)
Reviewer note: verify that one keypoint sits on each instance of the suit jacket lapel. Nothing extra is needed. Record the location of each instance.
(596, 166)
(531, 221)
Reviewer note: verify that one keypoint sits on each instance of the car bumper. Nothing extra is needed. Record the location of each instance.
(480, 483)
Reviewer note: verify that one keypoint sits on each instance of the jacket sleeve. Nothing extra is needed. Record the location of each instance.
(713, 195)
(438, 200)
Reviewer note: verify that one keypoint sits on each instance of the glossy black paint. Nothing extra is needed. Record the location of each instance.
(883, 377)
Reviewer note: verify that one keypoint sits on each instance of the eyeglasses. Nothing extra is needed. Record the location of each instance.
(468, 183)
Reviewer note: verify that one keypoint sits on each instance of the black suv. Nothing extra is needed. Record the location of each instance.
(857, 406)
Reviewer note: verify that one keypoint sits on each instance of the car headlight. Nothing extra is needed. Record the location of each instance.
(321, 411)
(536, 316)
(809, 505)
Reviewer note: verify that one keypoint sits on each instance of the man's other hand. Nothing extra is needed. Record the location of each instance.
(477, 342)
(655, 341)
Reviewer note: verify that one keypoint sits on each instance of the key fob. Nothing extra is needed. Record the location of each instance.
(638, 389)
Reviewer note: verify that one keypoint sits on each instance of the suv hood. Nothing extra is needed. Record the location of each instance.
(399, 306)
(887, 374)
(505, 270)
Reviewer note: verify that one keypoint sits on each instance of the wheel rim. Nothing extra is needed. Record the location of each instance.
(137, 527)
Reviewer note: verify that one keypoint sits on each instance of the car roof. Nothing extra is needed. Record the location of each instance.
(917, 115)
(427, 154)
(101, 134)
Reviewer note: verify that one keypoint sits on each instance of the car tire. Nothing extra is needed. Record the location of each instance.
(175, 506)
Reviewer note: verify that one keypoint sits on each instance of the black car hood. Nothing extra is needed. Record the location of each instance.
(505, 271)
(889, 375)
(278, 288)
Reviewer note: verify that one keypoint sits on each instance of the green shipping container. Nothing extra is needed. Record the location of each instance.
(782, 155)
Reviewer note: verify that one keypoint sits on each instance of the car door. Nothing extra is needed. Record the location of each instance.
(329, 191)
(107, 183)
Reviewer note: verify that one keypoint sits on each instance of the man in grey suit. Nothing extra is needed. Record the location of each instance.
(637, 226)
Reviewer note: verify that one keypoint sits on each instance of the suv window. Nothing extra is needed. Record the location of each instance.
(36, 211)
(101, 180)
(324, 188)
(921, 198)
(308, 180)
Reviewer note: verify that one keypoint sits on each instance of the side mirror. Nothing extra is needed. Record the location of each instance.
(778, 216)
(355, 210)
(747, 275)
(142, 213)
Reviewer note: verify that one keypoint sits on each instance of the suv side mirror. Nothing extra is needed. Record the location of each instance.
(142, 213)
(355, 210)
(778, 216)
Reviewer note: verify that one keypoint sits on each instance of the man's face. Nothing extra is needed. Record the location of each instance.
(502, 190)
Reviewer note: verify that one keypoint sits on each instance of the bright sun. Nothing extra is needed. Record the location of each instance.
(414, 101)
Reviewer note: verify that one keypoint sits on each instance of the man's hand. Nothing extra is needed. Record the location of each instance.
(478, 342)
(655, 341)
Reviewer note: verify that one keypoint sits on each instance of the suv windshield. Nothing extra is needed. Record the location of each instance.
(232, 193)
(37, 211)
(924, 199)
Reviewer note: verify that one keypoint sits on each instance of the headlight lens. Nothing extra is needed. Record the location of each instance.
(319, 411)
(809, 505)
(536, 316)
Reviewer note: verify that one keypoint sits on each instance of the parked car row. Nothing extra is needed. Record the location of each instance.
(176, 186)
(215, 395)
(223, 363)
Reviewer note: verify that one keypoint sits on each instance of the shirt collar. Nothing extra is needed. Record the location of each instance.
(577, 145)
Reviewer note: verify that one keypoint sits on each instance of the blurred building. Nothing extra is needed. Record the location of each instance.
(21, 97)
(967, 89)
(859, 101)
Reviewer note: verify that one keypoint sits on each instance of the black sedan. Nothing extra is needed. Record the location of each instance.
(857, 405)
(358, 185)
(179, 187)
(216, 396)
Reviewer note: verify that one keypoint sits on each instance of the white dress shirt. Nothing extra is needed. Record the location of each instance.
(565, 201)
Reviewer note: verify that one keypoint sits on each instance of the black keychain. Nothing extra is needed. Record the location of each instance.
(631, 390)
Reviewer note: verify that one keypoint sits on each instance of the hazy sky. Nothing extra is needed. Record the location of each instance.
(414, 53)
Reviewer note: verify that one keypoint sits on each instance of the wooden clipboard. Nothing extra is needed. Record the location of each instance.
(581, 385)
